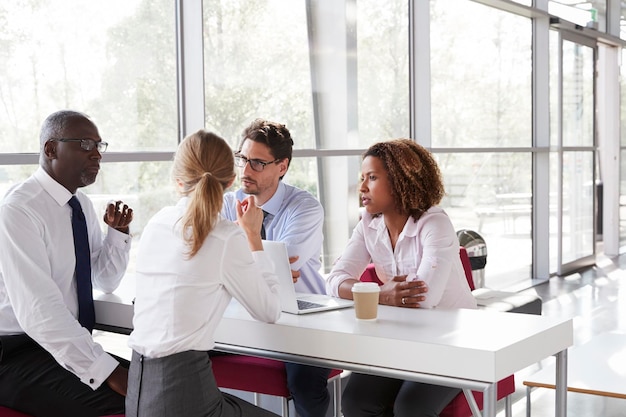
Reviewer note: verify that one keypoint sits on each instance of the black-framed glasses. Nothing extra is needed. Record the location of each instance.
(256, 164)
(87, 144)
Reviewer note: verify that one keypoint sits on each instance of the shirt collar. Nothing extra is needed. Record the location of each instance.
(59, 193)
(411, 228)
(273, 204)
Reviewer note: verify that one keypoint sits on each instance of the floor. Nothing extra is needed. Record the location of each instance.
(595, 299)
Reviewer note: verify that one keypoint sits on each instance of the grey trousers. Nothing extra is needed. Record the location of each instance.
(181, 385)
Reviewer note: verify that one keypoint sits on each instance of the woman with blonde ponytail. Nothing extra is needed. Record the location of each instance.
(190, 263)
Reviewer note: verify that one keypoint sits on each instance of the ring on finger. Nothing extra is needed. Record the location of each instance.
(403, 301)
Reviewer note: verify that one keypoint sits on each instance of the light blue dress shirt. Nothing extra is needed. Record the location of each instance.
(296, 218)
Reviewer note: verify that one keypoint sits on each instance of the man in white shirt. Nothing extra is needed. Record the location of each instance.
(49, 362)
(292, 216)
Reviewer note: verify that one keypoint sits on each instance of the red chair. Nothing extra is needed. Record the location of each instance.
(7, 412)
(459, 406)
(467, 267)
(263, 376)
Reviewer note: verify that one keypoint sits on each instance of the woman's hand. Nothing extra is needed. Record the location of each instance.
(402, 293)
(250, 219)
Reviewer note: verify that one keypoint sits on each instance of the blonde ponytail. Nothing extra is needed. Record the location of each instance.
(204, 164)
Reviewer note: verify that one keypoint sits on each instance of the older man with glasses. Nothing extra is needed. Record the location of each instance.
(292, 216)
(52, 253)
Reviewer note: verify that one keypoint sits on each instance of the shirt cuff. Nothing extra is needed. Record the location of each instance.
(99, 371)
(118, 239)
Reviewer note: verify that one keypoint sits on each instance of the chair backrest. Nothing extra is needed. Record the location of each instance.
(467, 267)
(369, 275)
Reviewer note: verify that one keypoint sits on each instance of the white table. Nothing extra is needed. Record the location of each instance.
(469, 349)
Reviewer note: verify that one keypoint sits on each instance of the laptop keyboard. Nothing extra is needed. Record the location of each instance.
(305, 305)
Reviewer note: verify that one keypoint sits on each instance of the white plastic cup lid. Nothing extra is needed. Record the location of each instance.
(365, 287)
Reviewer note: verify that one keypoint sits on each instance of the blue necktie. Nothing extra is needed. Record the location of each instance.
(265, 213)
(86, 312)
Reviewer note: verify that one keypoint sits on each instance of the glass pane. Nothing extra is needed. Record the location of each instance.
(102, 58)
(481, 76)
(490, 193)
(256, 58)
(578, 98)
(339, 182)
(554, 88)
(383, 73)
(578, 212)
(145, 186)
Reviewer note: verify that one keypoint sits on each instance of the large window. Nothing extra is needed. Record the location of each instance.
(256, 58)
(335, 73)
(481, 99)
(341, 75)
(115, 61)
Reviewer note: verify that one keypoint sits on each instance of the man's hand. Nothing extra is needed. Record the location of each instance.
(402, 293)
(118, 215)
(294, 274)
(118, 380)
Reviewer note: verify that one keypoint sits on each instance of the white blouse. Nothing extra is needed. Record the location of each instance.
(179, 301)
(427, 249)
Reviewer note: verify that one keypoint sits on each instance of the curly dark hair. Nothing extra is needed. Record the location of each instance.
(414, 176)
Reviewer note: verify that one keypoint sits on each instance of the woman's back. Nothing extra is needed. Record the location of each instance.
(180, 300)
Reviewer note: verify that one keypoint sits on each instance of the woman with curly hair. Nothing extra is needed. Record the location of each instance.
(415, 250)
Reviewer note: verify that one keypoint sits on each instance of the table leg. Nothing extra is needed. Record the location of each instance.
(489, 401)
(561, 384)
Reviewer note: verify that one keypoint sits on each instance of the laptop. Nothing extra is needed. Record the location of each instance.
(291, 301)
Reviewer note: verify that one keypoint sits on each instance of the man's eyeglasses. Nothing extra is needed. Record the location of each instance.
(87, 144)
(256, 164)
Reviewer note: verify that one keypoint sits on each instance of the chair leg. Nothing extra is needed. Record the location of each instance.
(285, 407)
(256, 399)
(528, 389)
(337, 396)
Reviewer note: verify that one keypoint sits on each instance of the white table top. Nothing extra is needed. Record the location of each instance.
(477, 345)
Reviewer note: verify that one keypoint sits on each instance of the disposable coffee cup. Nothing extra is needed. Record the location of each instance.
(365, 296)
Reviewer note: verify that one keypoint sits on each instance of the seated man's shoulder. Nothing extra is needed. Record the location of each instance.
(230, 197)
(24, 195)
(298, 195)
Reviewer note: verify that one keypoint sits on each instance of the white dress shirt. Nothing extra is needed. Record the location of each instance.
(427, 249)
(297, 219)
(37, 284)
(180, 301)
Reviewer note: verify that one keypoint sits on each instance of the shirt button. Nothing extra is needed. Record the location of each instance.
(91, 381)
